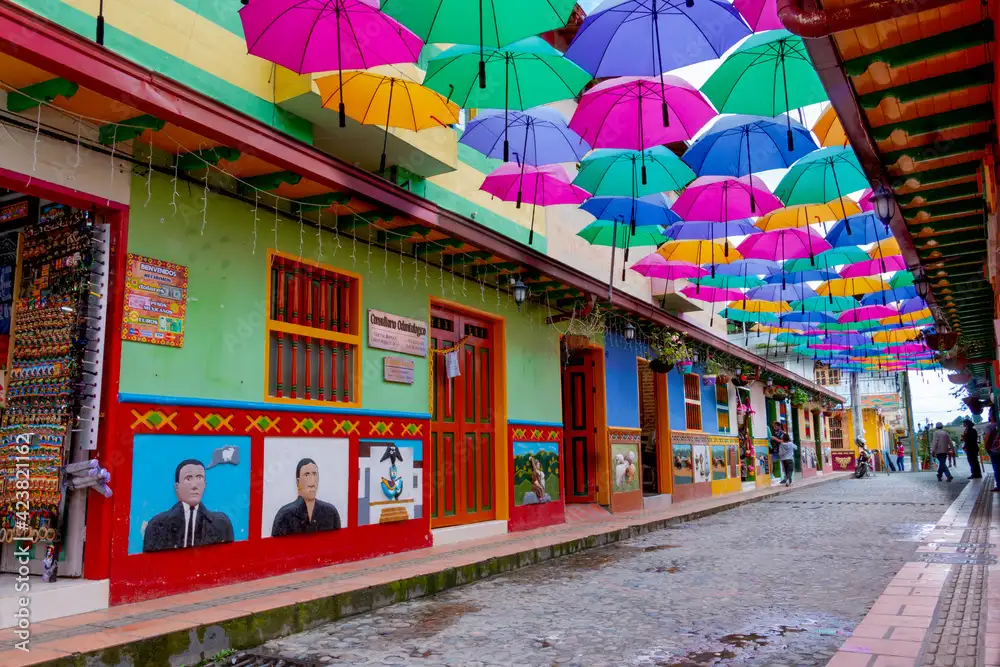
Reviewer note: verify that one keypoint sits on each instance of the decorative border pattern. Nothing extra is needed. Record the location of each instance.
(534, 433)
(625, 436)
(688, 438)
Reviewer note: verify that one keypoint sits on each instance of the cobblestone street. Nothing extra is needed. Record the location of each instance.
(779, 582)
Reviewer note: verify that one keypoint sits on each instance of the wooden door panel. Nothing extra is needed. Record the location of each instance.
(579, 434)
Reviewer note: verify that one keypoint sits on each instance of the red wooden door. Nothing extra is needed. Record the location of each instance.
(462, 422)
(579, 432)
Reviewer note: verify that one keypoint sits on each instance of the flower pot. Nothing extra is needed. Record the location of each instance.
(685, 367)
(940, 342)
(722, 379)
(708, 380)
(577, 342)
(660, 365)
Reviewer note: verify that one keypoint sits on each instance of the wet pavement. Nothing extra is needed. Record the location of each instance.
(779, 582)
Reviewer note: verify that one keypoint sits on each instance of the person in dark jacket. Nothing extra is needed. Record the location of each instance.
(307, 513)
(970, 438)
(188, 523)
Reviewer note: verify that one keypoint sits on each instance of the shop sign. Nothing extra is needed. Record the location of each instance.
(399, 370)
(155, 302)
(396, 334)
(19, 211)
(843, 460)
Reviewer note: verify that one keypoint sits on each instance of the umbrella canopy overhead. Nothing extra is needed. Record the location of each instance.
(890, 248)
(749, 267)
(627, 112)
(851, 286)
(830, 130)
(711, 294)
(624, 173)
(797, 277)
(606, 233)
(828, 260)
(649, 37)
(914, 305)
(784, 244)
(901, 279)
(697, 252)
(654, 266)
(645, 211)
(803, 215)
(865, 313)
(889, 296)
(735, 315)
(738, 145)
(897, 336)
(694, 231)
(724, 198)
(824, 304)
(829, 173)
(779, 293)
(874, 267)
(760, 15)
(730, 282)
(543, 186)
(759, 306)
(539, 136)
(866, 228)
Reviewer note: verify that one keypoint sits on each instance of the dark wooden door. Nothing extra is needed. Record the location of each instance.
(463, 422)
(579, 437)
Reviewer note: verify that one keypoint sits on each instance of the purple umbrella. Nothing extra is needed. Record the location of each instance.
(873, 267)
(779, 293)
(654, 266)
(711, 294)
(709, 231)
(849, 339)
(760, 14)
(828, 347)
(621, 113)
(540, 136)
(782, 244)
(324, 35)
(748, 267)
(912, 306)
(865, 313)
(540, 186)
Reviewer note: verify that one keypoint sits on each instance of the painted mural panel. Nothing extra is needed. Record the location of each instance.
(390, 481)
(188, 491)
(733, 456)
(305, 485)
(626, 467)
(702, 463)
(763, 457)
(536, 472)
(683, 464)
(719, 463)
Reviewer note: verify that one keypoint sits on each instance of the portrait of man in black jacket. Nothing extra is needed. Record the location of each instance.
(188, 523)
(307, 513)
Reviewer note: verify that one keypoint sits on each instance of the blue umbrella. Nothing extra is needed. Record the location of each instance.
(779, 293)
(540, 136)
(709, 231)
(748, 267)
(638, 212)
(813, 319)
(889, 296)
(795, 277)
(738, 145)
(858, 229)
(912, 306)
(852, 339)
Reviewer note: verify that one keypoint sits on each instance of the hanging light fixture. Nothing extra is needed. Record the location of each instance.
(629, 332)
(921, 284)
(520, 291)
(884, 203)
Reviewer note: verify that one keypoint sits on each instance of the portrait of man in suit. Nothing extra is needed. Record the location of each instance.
(188, 523)
(307, 513)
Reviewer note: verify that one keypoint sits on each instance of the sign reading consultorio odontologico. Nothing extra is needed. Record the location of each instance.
(398, 334)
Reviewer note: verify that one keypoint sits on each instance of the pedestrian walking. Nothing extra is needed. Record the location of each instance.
(941, 446)
(970, 439)
(900, 452)
(786, 452)
(952, 459)
(777, 430)
(992, 444)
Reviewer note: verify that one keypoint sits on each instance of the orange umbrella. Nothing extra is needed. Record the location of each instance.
(830, 130)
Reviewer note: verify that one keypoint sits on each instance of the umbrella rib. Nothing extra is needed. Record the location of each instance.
(357, 43)
(757, 57)
(413, 107)
(496, 23)
(371, 101)
(610, 12)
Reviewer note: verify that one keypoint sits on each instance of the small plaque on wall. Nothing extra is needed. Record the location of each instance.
(396, 334)
(399, 370)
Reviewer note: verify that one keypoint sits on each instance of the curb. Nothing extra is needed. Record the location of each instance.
(194, 646)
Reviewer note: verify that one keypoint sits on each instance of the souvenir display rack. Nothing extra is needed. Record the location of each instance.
(46, 376)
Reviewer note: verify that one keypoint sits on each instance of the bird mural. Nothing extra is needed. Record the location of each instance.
(392, 487)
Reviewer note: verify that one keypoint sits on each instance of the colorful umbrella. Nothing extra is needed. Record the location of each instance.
(709, 231)
(711, 294)
(654, 266)
(779, 293)
(621, 113)
(759, 306)
(533, 73)
(784, 244)
(760, 15)
(851, 286)
(889, 296)
(749, 267)
(827, 347)
(649, 37)
(873, 267)
(907, 348)
(829, 173)
(737, 145)
(540, 136)
(888, 249)
(898, 336)
(902, 279)
(724, 198)
(798, 277)
(804, 215)
(827, 260)
(697, 252)
(864, 313)
(730, 282)
(369, 96)
(650, 210)
(810, 319)
(822, 304)
(830, 130)
(609, 172)
(607, 234)
(916, 318)
(736, 315)
(866, 202)
(768, 74)
(796, 339)
(541, 186)
(866, 228)
(489, 23)
(913, 306)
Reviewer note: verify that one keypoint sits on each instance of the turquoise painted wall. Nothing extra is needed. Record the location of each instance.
(223, 353)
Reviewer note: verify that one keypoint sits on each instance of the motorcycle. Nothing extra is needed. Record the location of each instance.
(865, 463)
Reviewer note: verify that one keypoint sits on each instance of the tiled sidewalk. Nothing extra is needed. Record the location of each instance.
(936, 611)
(187, 628)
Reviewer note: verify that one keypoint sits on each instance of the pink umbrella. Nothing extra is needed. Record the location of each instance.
(637, 112)
(908, 348)
(654, 266)
(874, 267)
(547, 185)
(724, 198)
(760, 15)
(782, 244)
(865, 313)
(712, 294)
(866, 202)
(833, 347)
(324, 35)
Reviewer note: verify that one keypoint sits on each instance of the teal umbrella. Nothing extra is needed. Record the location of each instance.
(488, 23)
(797, 339)
(901, 279)
(827, 260)
(625, 173)
(524, 74)
(756, 317)
(823, 304)
(767, 75)
(730, 282)
(824, 175)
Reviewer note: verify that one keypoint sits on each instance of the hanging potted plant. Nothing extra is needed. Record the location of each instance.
(939, 341)
(799, 397)
(711, 373)
(672, 351)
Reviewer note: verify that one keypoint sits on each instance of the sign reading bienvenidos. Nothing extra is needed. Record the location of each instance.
(397, 334)
(155, 302)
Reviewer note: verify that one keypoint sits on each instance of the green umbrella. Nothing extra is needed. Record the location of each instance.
(824, 175)
(616, 173)
(730, 282)
(525, 74)
(827, 260)
(816, 354)
(767, 75)
(602, 232)
(748, 316)
(488, 23)
(823, 304)
(797, 339)
(901, 279)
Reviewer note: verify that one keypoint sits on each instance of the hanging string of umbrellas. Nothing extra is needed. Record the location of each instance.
(646, 154)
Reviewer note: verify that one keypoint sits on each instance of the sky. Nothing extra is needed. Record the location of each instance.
(932, 398)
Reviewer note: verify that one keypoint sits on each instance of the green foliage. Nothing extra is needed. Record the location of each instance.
(799, 396)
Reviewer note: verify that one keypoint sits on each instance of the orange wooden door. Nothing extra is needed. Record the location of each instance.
(463, 421)
(579, 433)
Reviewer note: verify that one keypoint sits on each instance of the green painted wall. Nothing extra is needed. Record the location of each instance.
(223, 353)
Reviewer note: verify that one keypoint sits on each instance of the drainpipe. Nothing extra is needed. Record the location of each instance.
(816, 23)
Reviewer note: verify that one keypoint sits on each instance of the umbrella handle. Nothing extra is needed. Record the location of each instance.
(482, 50)
(644, 174)
(666, 115)
(506, 151)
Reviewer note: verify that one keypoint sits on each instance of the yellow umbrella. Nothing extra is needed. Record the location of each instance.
(697, 252)
(851, 286)
(378, 99)
(830, 130)
(908, 318)
(897, 336)
(766, 328)
(758, 306)
(886, 248)
(808, 214)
